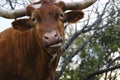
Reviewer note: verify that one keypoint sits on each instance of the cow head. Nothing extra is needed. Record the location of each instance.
(47, 22)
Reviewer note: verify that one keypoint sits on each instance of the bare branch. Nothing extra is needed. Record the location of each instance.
(84, 30)
(68, 59)
(98, 20)
(101, 71)
(10, 3)
(111, 63)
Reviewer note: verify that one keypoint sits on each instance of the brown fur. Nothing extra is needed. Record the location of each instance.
(22, 53)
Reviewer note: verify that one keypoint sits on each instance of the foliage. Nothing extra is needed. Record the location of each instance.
(99, 55)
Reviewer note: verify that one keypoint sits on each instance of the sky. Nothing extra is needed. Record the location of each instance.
(5, 23)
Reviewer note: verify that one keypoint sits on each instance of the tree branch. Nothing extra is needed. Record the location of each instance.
(117, 58)
(101, 71)
(84, 30)
(10, 3)
(68, 59)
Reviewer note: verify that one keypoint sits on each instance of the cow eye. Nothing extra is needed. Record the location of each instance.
(61, 16)
(34, 19)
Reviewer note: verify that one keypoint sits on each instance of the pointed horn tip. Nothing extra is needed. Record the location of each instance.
(79, 5)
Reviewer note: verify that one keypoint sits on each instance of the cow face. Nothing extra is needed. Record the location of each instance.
(47, 22)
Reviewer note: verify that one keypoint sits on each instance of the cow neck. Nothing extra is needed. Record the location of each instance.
(26, 50)
(25, 41)
(52, 57)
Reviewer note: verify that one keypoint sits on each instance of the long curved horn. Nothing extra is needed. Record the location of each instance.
(79, 5)
(12, 14)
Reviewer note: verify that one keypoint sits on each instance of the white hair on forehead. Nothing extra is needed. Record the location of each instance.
(57, 1)
(36, 0)
(52, 1)
(48, 0)
(36, 6)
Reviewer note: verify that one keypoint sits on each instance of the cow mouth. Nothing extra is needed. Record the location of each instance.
(53, 48)
(59, 44)
(55, 45)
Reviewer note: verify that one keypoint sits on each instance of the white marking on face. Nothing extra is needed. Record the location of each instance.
(57, 1)
(36, 6)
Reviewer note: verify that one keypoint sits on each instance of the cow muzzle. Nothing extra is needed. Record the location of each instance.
(52, 39)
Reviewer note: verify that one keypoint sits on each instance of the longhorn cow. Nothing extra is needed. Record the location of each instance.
(31, 48)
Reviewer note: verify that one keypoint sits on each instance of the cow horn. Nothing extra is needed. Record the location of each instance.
(79, 5)
(11, 14)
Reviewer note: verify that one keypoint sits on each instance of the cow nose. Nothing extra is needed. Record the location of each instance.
(52, 38)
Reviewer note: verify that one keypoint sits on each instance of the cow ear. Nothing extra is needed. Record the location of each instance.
(22, 24)
(73, 16)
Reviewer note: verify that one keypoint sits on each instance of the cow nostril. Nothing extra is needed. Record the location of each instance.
(56, 35)
(46, 37)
